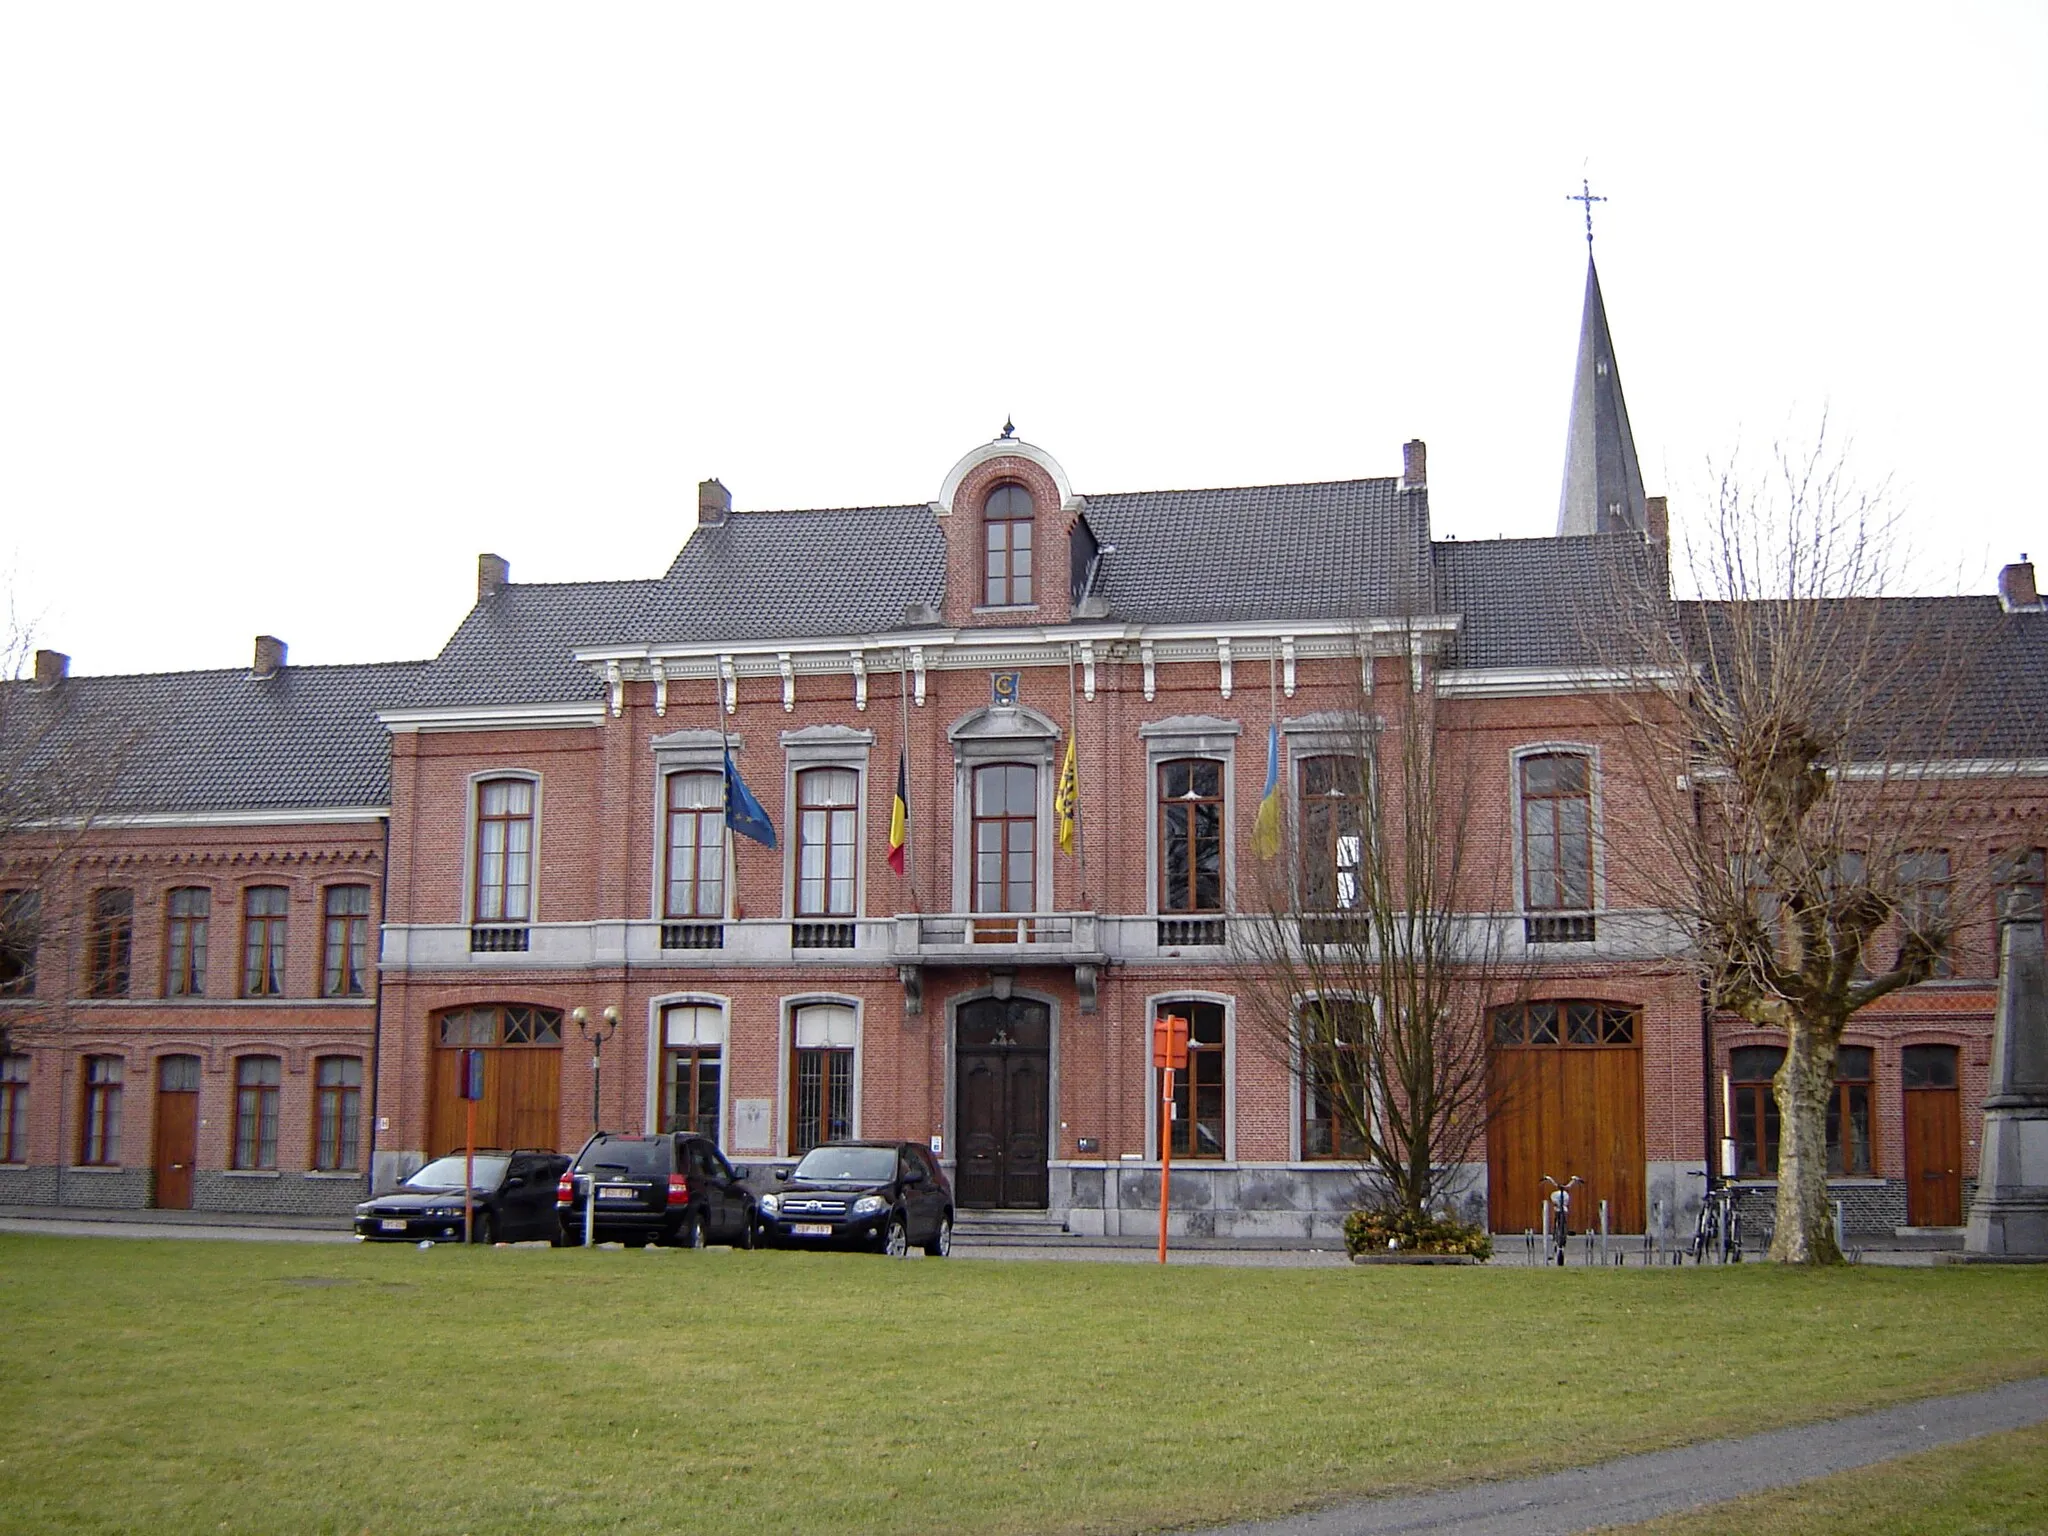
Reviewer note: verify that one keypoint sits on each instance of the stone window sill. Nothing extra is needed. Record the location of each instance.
(97, 1168)
(350, 1174)
(251, 1173)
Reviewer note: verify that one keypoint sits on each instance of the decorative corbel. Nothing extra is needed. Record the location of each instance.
(615, 680)
(917, 674)
(912, 978)
(731, 683)
(1088, 670)
(1287, 665)
(1145, 655)
(788, 670)
(1414, 667)
(1085, 990)
(1223, 663)
(1367, 656)
(660, 670)
(860, 679)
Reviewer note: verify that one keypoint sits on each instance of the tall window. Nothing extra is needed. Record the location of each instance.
(263, 918)
(256, 1090)
(1006, 838)
(100, 1126)
(1333, 829)
(2021, 880)
(1557, 832)
(696, 845)
(1199, 1100)
(190, 912)
(827, 800)
(504, 851)
(1006, 526)
(20, 928)
(1336, 1085)
(13, 1108)
(1191, 835)
(345, 961)
(1756, 1128)
(337, 1113)
(110, 937)
(821, 1075)
(692, 1056)
(1924, 887)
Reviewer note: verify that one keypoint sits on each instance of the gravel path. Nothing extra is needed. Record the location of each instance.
(1639, 1488)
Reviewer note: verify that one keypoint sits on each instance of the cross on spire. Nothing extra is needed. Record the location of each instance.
(1587, 197)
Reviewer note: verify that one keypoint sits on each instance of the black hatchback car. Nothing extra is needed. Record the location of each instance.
(882, 1196)
(672, 1188)
(513, 1199)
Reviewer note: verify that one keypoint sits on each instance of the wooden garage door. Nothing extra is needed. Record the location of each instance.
(1566, 1098)
(522, 1102)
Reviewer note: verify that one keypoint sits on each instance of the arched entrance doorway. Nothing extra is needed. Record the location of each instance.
(1002, 1096)
(522, 1102)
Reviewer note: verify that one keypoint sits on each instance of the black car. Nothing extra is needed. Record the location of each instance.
(512, 1199)
(878, 1195)
(672, 1188)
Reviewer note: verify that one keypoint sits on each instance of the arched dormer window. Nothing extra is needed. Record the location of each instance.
(1006, 544)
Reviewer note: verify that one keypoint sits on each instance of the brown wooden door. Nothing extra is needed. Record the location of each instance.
(177, 1131)
(1563, 1106)
(1002, 1100)
(521, 1106)
(1934, 1137)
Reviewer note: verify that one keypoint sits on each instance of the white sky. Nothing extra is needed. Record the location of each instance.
(301, 307)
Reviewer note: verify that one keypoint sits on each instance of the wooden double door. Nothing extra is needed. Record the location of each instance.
(1002, 1103)
(1565, 1099)
(521, 1106)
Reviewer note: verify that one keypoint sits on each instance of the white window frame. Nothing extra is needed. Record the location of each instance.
(981, 740)
(1194, 995)
(657, 1043)
(786, 1048)
(825, 746)
(474, 795)
(685, 752)
(1190, 736)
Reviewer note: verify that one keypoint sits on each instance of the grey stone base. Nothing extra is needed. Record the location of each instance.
(2010, 1213)
(28, 1186)
(1871, 1208)
(1302, 1201)
(130, 1189)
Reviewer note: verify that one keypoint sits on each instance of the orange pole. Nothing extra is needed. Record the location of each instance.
(1165, 1156)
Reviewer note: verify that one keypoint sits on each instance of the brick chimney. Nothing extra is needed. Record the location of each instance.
(2016, 590)
(1657, 519)
(52, 667)
(492, 572)
(1414, 464)
(714, 503)
(269, 657)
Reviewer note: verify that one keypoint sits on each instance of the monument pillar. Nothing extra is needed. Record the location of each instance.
(2009, 1218)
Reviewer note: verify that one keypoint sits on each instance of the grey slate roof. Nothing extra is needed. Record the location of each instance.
(518, 645)
(1341, 549)
(1603, 483)
(1542, 602)
(306, 738)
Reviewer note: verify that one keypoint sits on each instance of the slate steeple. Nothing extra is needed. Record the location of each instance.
(1603, 484)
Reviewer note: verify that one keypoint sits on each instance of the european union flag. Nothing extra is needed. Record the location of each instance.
(743, 812)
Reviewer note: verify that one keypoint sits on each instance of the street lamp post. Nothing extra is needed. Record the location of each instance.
(597, 1038)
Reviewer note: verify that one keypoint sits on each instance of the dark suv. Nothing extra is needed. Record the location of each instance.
(673, 1188)
(879, 1195)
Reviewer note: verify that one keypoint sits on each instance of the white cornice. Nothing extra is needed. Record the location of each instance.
(1525, 682)
(581, 714)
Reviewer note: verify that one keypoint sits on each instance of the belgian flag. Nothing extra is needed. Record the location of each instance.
(899, 815)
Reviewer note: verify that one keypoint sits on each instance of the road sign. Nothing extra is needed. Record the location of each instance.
(472, 1075)
(1170, 1042)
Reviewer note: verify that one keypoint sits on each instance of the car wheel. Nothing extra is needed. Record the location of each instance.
(897, 1243)
(941, 1244)
(694, 1236)
(484, 1229)
(750, 1234)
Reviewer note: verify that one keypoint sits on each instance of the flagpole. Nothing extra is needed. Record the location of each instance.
(1074, 736)
(903, 756)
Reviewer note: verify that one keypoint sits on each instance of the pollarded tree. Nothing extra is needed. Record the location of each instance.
(1832, 750)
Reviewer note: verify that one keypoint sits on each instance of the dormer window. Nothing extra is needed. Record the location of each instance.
(1006, 532)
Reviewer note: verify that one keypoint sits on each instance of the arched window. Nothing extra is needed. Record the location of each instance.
(1333, 832)
(504, 851)
(1335, 1038)
(696, 845)
(1557, 832)
(345, 943)
(1191, 835)
(190, 915)
(1006, 529)
(692, 1063)
(822, 1041)
(263, 919)
(1200, 1094)
(257, 1080)
(337, 1112)
(827, 800)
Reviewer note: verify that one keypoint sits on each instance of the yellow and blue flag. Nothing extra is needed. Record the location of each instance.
(1266, 826)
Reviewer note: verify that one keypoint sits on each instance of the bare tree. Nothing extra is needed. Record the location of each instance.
(1828, 745)
(1371, 953)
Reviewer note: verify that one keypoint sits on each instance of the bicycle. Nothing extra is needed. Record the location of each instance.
(1719, 1228)
(1557, 1218)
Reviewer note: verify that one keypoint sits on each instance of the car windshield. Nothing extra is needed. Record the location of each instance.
(865, 1165)
(446, 1173)
(626, 1157)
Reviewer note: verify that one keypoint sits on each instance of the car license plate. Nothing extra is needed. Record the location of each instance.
(387, 1225)
(812, 1228)
(610, 1192)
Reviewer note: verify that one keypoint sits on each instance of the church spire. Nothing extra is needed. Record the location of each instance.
(1603, 484)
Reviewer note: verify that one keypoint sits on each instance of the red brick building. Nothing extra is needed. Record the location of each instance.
(535, 820)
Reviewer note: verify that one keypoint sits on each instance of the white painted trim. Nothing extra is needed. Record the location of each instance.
(495, 717)
(1004, 448)
(1229, 1005)
(340, 814)
(786, 1047)
(1528, 682)
(657, 1042)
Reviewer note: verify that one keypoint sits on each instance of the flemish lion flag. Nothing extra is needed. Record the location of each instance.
(1066, 802)
(899, 816)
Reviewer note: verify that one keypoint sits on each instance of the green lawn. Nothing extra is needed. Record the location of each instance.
(1997, 1486)
(173, 1386)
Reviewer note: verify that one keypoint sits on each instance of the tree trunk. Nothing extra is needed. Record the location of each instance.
(1806, 1222)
